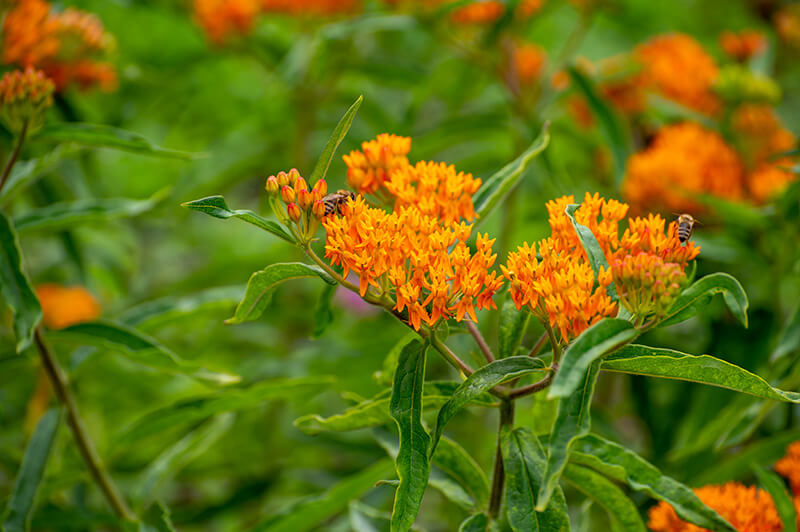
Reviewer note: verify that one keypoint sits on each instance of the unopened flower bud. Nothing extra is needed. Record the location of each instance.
(272, 185)
(321, 187)
(318, 210)
(300, 184)
(283, 179)
(287, 194)
(294, 175)
(304, 198)
(294, 212)
(24, 97)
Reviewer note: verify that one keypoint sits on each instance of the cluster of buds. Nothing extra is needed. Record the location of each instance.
(24, 97)
(646, 285)
(304, 208)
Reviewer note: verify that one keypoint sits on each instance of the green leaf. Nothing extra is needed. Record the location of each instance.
(475, 523)
(412, 462)
(313, 512)
(592, 248)
(25, 173)
(15, 286)
(484, 379)
(610, 122)
(789, 339)
(178, 456)
(524, 461)
(199, 407)
(624, 465)
(262, 283)
(31, 472)
(67, 215)
(386, 375)
(339, 132)
(103, 136)
(496, 187)
(622, 513)
(170, 308)
(513, 324)
(217, 207)
(774, 485)
(573, 420)
(158, 519)
(698, 295)
(454, 460)
(602, 338)
(323, 315)
(703, 369)
(140, 348)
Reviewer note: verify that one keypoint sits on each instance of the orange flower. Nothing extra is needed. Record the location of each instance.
(789, 466)
(24, 97)
(222, 18)
(667, 61)
(66, 45)
(369, 170)
(787, 24)
(646, 235)
(528, 60)
(63, 306)
(434, 189)
(424, 264)
(743, 45)
(770, 179)
(490, 11)
(598, 214)
(746, 508)
(683, 159)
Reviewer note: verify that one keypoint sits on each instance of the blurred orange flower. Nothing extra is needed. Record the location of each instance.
(63, 306)
(746, 508)
(682, 160)
(222, 18)
(743, 45)
(527, 61)
(489, 11)
(66, 45)
(787, 24)
(789, 466)
(24, 96)
(368, 170)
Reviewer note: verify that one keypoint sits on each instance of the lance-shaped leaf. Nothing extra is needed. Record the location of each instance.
(694, 298)
(67, 215)
(774, 485)
(339, 132)
(573, 420)
(412, 464)
(217, 207)
(20, 504)
(484, 379)
(602, 338)
(524, 462)
(311, 513)
(262, 283)
(386, 374)
(103, 136)
(592, 248)
(140, 348)
(789, 340)
(513, 324)
(454, 460)
(501, 183)
(15, 286)
(167, 309)
(703, 369)
(610, 122)
(374, 412)
(622, 464)
(27, 172)
(202, 406)
(622, 513)
(475, 523)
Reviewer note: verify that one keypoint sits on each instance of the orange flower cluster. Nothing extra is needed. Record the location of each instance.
(63, 306)
(789, 467)
(434, 189)
(527, 61)
(368, 170)
(426, 264)
(743, 45)
(66, 45)
(787, 24)
(683, 159)
(746, 508)
(24, 96)
(663, 60)
(490, 11)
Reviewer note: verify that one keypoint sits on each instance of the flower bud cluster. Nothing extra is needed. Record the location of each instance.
(304, 207)
(24, 97)
(646, 285)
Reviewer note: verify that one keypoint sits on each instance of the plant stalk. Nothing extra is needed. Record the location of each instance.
(60, 385)
(476, 334)
(499, 475)
(14, 155)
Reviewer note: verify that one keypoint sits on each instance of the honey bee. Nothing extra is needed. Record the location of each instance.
(335, 200)
(685, 225)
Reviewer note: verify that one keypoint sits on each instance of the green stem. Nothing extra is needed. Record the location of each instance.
(553, 343)
(14, 155)
(59, 382)
(538, 345)
(499, 475)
